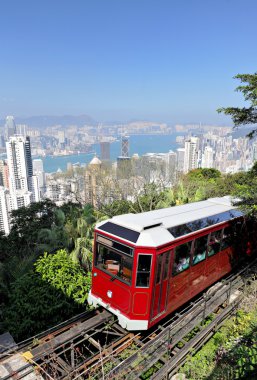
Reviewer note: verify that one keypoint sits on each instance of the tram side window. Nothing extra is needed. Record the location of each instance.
(143, 270)
(200, 249)
(162, 275)
(159, 269)
(182, 257)
(227, 238)
(214, 243)
(166, 265)
(115, 263)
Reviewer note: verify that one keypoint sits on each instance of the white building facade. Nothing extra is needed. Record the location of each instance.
(5, 207)
(191, 158)
(207, 158)
(23, 184)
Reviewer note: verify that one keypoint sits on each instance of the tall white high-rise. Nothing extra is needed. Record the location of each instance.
(180, 159)
(172, 163)
(5, 207)
(23, 184)
(191, 154)
(38, 171)
(207, 158)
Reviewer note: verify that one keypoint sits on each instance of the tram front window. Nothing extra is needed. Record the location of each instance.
(115, 263)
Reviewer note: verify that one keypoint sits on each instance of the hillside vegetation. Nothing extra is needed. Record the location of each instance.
(45, 261)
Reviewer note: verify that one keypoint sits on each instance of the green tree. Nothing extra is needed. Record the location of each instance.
(116, 207)
(197, 185)
(80, 233)
(53, 238)
(63, 274)
(11, 270)
(245, 115)
(34, 306)
(53, 292)
(149, 198)
(246, 191)
(204, 174)
(26, 224)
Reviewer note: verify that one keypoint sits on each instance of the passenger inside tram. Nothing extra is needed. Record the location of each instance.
(182, 258)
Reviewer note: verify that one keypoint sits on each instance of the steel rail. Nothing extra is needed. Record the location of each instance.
(164, 345)
(51, 343)
(87, 347)
(44, 335)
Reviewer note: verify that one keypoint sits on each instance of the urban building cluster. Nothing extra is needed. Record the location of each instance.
(224, 153)
(18, 184)
(23, 180)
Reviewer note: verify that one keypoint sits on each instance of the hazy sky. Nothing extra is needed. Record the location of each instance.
(168, 60)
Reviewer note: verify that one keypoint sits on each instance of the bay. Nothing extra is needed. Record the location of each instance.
(140, 144)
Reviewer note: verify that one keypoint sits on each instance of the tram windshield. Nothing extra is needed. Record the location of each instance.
(114, 258)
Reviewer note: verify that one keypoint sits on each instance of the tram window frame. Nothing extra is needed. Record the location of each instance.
(210, 243)
(143, 273)
(166, 264)
(158, 270)
(118, 264)
(228, 236)
(201, 256)
(162, 271)
(176, 271)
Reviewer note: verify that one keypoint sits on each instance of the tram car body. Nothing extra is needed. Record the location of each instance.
(149, 264)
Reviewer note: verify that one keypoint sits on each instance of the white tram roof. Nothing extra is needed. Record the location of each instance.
(158, 227)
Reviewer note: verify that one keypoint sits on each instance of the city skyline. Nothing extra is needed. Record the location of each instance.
(168, 61)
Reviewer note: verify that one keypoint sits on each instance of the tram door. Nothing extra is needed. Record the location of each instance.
(161, 284)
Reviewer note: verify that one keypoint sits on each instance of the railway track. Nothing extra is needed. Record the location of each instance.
(94, 346)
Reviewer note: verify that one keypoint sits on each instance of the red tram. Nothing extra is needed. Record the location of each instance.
(147, 265)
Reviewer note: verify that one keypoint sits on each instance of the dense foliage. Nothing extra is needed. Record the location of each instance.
(39, 299)
(245, 115)
(57, 282)
(54, 280)
(62, 273)
(232, 352)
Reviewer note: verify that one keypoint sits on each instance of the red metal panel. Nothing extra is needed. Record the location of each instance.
(197, 278)
(226, 257)
(140, 303)
(180, 289)
(160, 284)
(121, 293)
(163, 298)
(212, 269)
(156, 296)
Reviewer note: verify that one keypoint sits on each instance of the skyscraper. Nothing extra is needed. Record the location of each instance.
(23, 184)
(105, 150)
(124, 161)
(172, 160)
(180, 159)
(125, 146)
(207, 158)
(10, 127)
(191, 154)
(4, 174)
(38, 171)
(5, 207)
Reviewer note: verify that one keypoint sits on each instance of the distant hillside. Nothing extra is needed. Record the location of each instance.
(48, 121)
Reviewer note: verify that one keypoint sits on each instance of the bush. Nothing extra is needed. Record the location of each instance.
(40, 299)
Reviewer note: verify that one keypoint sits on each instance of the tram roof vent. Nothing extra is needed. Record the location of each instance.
(152, 226)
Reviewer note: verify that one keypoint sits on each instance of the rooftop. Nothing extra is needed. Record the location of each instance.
(161, 226)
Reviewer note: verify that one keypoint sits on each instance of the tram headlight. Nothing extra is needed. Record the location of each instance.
(109, 294)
